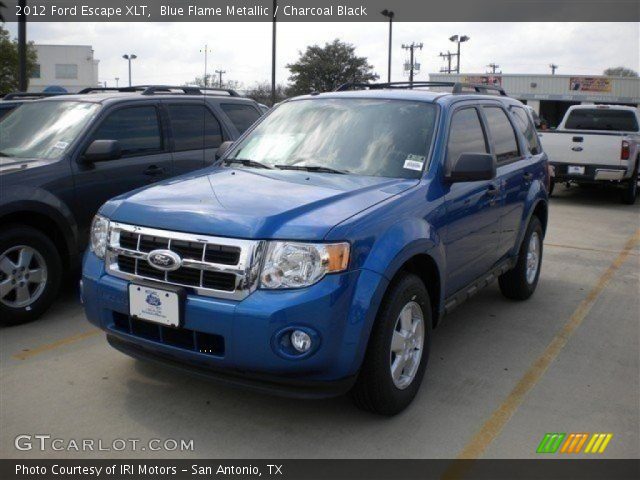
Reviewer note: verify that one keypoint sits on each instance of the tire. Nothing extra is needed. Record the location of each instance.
(520, 282)
(376, 390)
(17, 245)
(630, 192)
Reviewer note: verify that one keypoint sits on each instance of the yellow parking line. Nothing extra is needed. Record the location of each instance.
(587, 249)
(52, 346)
(494, 425)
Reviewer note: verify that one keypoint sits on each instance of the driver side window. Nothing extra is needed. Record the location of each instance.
(465, 136)
(137, 129)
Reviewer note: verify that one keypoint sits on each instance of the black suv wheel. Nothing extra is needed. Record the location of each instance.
(30, 274)
(398, 349)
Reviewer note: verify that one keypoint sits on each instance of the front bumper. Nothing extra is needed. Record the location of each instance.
(239, 335)
(592, 173)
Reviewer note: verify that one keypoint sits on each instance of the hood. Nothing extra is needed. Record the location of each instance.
(251, 203)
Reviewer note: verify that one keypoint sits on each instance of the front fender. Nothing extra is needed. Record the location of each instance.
(25, 198)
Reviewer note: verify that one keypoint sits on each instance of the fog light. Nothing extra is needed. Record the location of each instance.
(300, 340)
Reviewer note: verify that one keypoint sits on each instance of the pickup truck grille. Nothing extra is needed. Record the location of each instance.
(212, 266)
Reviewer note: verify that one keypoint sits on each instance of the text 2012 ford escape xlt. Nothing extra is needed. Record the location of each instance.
(320, 255)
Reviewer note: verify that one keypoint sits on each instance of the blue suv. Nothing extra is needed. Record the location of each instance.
(320, 253)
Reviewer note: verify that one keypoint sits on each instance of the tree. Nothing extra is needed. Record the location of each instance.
(261, 93)
(322, 69)
(9, 62)
(620, 72)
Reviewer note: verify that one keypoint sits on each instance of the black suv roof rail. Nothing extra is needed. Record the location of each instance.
(187, 90)
(28, 95)
(456, 87)
(110, 89)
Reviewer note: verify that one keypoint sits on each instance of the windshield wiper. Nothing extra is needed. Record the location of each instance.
(312, 168)
(247, 163)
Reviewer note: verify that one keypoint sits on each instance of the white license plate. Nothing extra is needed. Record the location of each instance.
(575, 169)
(154, 305)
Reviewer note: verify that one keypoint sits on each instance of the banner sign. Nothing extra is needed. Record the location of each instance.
(589, 84)
(484, 79)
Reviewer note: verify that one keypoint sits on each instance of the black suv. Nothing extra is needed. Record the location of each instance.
(62, 157)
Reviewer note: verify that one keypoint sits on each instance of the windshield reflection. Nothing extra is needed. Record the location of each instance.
(377, 137)
(43, 129)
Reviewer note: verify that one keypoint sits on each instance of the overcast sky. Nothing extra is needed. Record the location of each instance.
(170, 53)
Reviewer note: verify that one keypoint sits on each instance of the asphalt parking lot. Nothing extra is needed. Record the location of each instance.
(501, 373)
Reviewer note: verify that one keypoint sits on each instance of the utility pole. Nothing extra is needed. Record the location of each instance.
(553, 67)
(206, 52)
(22, 48)
(220, 72)
(273, 53)
(448, 56)
(389, 14)
(493, 67)
(411, 49)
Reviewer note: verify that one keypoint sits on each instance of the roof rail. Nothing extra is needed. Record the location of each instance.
(186, 90)
(457, 87)
(34, 95)
(111, 89)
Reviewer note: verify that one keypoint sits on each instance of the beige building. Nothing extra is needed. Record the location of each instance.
(72, 67)
(552, 95)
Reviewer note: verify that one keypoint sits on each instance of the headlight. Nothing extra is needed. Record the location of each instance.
(99, 235)
(294, 265)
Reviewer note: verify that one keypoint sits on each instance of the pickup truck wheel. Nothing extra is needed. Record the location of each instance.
(520, 282)
(630, 192)
(30, 274)
(398, 349)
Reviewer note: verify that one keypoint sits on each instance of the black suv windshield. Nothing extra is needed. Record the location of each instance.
(377, 137)
(43, 129)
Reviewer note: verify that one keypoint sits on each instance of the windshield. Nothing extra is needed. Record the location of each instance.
(602, 119)
(43, 129)
(376, 137)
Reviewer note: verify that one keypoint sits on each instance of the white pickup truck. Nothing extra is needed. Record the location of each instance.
(596, 144)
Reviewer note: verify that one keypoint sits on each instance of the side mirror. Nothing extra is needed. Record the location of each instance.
(222, 149)
(473, 167)
(102, 150)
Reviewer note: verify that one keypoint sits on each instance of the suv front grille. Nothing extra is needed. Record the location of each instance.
(213, 266)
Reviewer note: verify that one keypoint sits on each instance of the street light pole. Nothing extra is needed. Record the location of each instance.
(389, 14)
(273, 53)
(459, 39)
(129, 57)
(22, 48)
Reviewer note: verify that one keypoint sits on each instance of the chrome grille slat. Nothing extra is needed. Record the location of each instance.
(230, 281)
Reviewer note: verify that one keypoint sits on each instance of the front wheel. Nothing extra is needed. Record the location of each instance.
(30, 274)
(520, 282)
(398, 349)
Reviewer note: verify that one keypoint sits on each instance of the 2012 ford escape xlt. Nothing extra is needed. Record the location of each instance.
(321, 253)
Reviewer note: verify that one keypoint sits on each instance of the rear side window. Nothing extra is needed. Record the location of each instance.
(242, 116)
(602, 119)
(194, 127)
(136, 128)
(465, 135)
(502, 134)
(525, 125)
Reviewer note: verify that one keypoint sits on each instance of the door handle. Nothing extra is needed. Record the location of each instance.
(528, 176)
(154, 170)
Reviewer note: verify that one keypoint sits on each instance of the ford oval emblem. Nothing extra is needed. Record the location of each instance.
(164, 260)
